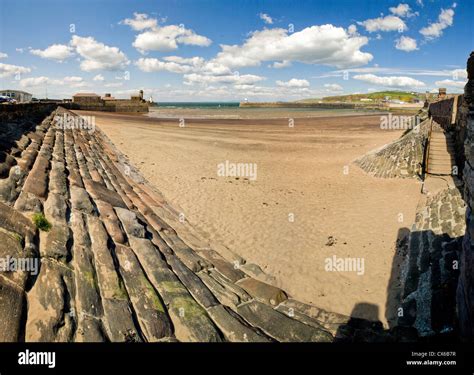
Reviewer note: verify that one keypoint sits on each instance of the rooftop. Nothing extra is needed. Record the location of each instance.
(85, 94)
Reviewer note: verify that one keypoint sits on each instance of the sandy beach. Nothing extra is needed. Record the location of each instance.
(308, 203)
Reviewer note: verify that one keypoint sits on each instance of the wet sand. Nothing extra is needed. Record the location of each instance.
(307, 204)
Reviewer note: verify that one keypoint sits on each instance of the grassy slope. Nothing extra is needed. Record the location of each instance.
(394, 95)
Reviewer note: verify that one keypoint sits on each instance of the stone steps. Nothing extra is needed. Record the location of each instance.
(113, 268)
(441, 152)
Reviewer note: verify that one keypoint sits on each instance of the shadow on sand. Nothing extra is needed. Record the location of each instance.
(430, 284)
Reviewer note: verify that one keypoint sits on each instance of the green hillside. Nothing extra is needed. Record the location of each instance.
(375, 96)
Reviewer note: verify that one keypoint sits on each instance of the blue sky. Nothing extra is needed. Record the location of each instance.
(233, 50)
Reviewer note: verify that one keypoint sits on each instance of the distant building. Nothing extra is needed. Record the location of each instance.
(93, 102)
(85, 98)
(19, 96)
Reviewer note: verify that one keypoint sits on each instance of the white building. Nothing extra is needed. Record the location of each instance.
(19, 96)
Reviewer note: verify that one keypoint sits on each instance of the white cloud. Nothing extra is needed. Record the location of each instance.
(244, 79)
(293, 83)
(387, 23)
(402, 10)
(70, 81)
(3, 55)
(280, 64)
(114, 84)
(58, 52)
(155, 65)
(98, 78)
(167, 38)
(445, 20)
(326, 44)
(391, 81)
(141, 21)
(177, 64)
(450, 83)
(162, 38)
(19, 50)
(352, 30)
(34, 81)
(7, 70)
(266, 18)
(228, 92)
(98, 56)
(460, 73)
(333, 87)
(406, 44)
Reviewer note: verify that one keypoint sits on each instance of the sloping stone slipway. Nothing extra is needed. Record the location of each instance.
(110, 264)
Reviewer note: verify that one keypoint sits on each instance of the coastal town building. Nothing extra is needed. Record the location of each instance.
(85, 98)
(93, 102)
(19, 96)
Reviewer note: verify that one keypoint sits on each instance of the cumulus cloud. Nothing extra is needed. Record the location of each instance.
(435, 30)
(3, 55)
(177, 64)
(333, 87)
(459, 73)
(98, 78)
(162, 38)
(141, 21)
(402, 10)
(237, 79)
(293, 83)
(326, 44)
(58, 52)
(387, 23)
(281, 64)
(266, 18)
(406, 44)
(70, 81)
(98, 56)
(450, 83)
(7, 70)
(352, 30)
(390, 81)
(452, 73)
(228, 92)
(154, 65)
(168, 38)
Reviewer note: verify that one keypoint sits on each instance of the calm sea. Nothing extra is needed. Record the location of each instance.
(206, 105)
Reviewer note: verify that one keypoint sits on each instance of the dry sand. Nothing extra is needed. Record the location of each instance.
(300, 171)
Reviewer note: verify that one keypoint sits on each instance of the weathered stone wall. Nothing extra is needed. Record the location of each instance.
(465, 291)
(442, 112)
(429, 275)
(112, 106)
(25, 110)
(459, 119)
(402, 158)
